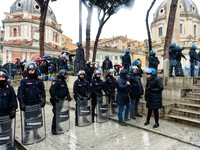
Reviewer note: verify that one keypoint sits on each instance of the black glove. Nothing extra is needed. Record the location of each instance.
(43, 102)
(12, 113)
(22, 106)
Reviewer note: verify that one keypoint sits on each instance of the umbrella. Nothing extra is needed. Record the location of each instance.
(119, 66)
(47, 56)
(38, 59)
(17, 59)
(55, 58)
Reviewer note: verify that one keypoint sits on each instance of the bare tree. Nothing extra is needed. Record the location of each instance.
(89, 7)
(147, 25)
(44, 4)
(170, 28)
(106, 8)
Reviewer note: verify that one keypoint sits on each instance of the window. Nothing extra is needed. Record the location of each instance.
(103, 56)
(116, 57)
(110, 57)
(98, 56)
(124, 41)
(129, 45)
(117, 41)
(195, 29)
(160, 31)
(36, 36)
(67, 41)
(62, 40)
(133, 44)
(181, 28)
(15, 33)
(123, 47)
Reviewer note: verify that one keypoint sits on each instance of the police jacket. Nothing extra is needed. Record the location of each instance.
(59, 89)
(173, 53)
(126, 59)
(31, 90)
(107, 64)
(110, 83)
(44, 67)
(136, 87)
(199, 56)
(122, 90)
(81, 88)
(8, 101)
(153, 93)
(96, 86)
(193, 56)
(88, 73)
(153, 62)
(179, 55)
(139, 72)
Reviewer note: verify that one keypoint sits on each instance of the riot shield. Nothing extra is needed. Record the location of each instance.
(112, 104)
(84, 112)
(33, 124)
(7, 130)
(102, 109)
(62, 117)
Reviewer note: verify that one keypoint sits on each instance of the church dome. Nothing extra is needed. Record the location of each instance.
(30, 6)
(184, 5)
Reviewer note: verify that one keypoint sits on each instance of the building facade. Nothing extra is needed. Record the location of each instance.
(21, 32)
(186, 28)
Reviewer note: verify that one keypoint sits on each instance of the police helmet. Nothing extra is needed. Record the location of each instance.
(81, 72)
(151, 71)
(97, 72)
(31, 66)
(136, 61)
(178, 47)
(88, 63)
(63, 72)
(173, 45)
(194, 47)
(151, 52)
(111, 71)
(4, 73)
(121, 56)
(133, 68)
(127, 51)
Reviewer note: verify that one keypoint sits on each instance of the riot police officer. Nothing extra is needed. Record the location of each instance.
(31, 92)
(81, 89)
(153, 60)
(126, 60)
(179, 55)
(59, 92)
(110, 85)
(88, 71)
(193, 58)
(8, 106)
(137, 63)
(96, 86)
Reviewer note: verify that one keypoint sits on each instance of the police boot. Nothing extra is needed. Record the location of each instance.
(53, 130)
(36, 135)
(156, 125)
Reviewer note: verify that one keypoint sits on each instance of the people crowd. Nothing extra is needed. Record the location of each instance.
(124, 92)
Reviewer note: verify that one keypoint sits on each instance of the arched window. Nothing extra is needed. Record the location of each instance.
(160, 32)
(14, 32)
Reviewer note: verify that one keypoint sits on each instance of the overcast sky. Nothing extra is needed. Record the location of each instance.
(130, 22)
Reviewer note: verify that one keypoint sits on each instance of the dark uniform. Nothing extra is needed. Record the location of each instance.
(136, 62)
(59, 92)
(88, 72)
(110, 84)
(107, 64)
(193, 58)
(178, 69)
(31, 91)
(81, 89)
(126, 60)
(153, 61)
(8, 106)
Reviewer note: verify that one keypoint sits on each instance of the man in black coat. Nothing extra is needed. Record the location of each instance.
(59, 92)
(62, 63)
(122, 96)
(107, 64)
(126, 60)
(153, 95)
(88, 71)
(136, 90)
(179, 55)
(81, 89)
(153, 60)
(31, 91)
(110, 85)
(8, 106)
(193, 58)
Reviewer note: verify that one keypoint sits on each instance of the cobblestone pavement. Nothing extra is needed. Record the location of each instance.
(106, 136)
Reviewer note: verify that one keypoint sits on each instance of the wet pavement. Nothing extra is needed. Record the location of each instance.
(108, 136)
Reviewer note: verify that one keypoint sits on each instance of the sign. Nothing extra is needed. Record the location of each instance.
(10, 68)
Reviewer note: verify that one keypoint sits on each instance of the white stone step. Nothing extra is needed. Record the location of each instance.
(189, 104)
(196, 121)
(186, 111)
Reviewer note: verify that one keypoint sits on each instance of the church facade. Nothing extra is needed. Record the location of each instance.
(21, 32)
